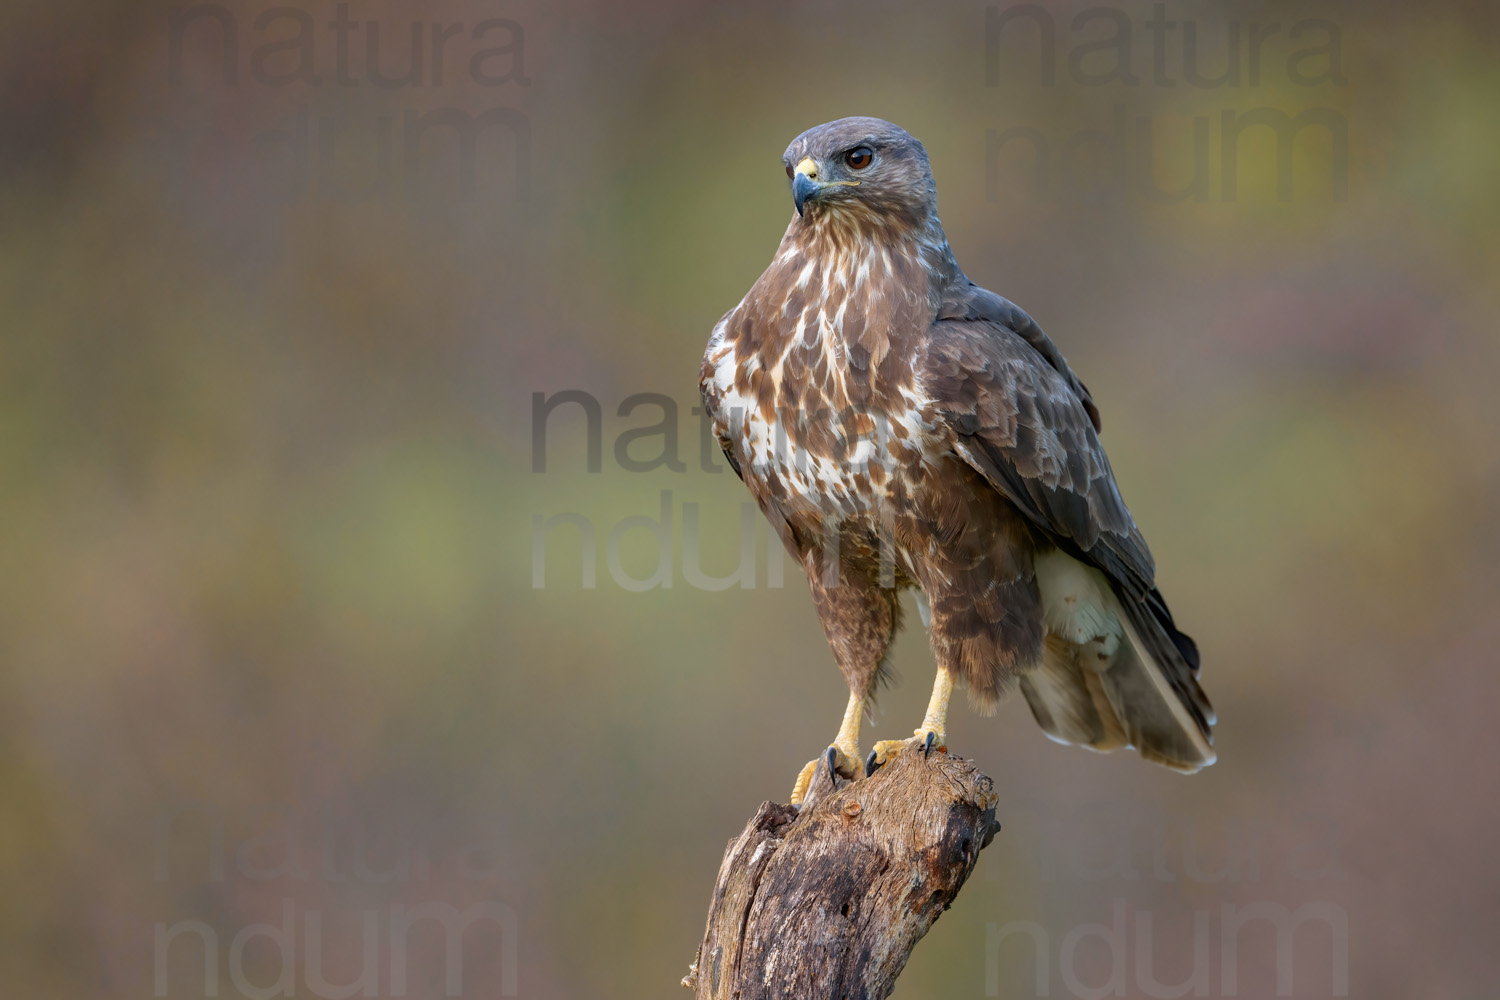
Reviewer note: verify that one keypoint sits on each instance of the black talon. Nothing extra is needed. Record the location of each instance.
(927, 749)
(871, 764)
(833, 756)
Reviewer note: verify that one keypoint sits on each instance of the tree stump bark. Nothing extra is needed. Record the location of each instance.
(829, 902)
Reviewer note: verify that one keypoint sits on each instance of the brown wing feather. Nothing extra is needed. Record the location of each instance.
(1023, 420)
(1018, 421)
(970, 302)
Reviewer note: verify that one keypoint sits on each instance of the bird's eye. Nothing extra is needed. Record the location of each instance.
(788, 171)
(859, 157)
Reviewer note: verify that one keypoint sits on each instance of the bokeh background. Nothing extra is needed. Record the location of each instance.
(275, 647)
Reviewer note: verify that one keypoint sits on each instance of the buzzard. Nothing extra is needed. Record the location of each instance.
(902, 428)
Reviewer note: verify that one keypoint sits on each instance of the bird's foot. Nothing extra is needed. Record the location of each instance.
(925, 740)
(842, 761)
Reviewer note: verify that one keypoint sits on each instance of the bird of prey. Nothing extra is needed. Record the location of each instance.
(903, 428)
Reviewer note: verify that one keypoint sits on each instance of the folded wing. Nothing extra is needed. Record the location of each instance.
(1115, 669)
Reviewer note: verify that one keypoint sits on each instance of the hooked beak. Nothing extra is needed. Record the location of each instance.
(805, 182)
(803, 188)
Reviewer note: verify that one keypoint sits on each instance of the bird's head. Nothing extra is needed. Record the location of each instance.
(861, 169)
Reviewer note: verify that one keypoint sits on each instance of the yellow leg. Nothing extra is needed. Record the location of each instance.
(936, 719)
(848, 738)
(845, 746)
(934, 729)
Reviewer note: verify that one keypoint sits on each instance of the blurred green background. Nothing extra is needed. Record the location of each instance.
(272, 643)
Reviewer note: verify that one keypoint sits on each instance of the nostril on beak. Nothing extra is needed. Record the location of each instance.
(809, 167)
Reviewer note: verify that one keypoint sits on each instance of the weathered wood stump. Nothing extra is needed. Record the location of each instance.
(829, 902)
